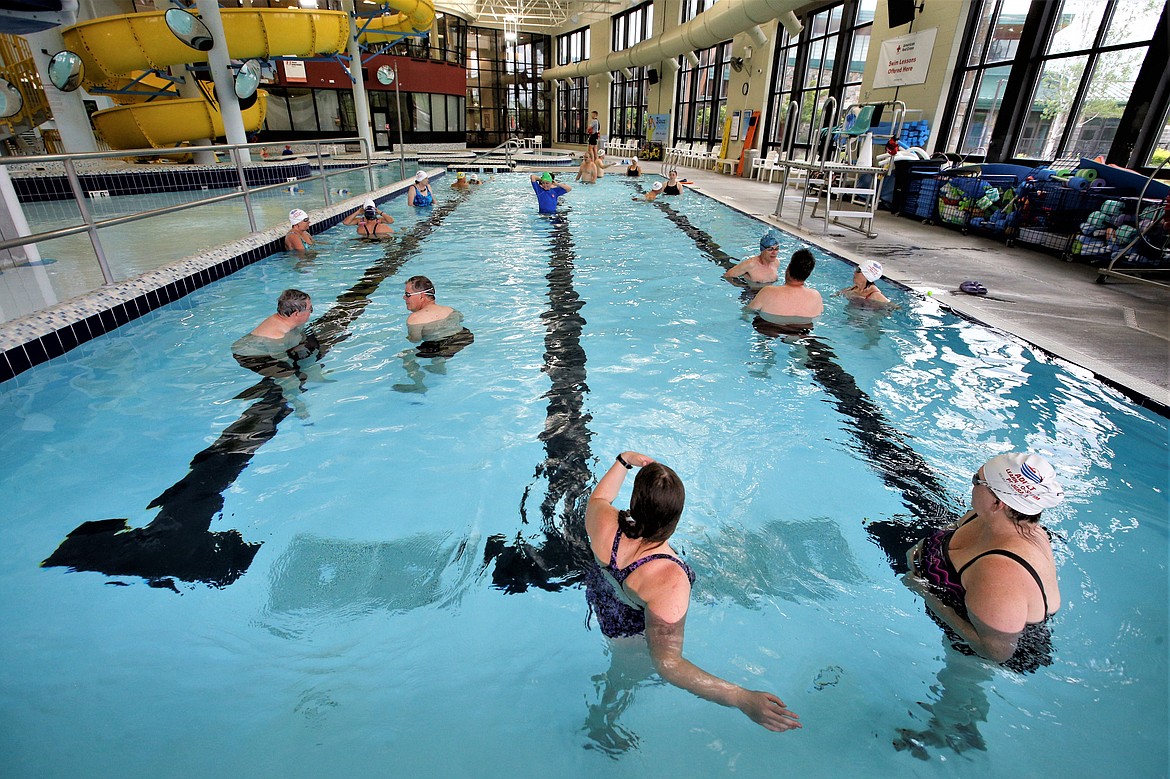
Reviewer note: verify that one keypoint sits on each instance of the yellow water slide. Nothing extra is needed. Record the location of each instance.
(118, 50)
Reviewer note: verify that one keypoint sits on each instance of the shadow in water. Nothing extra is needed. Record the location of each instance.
(318, 581)
(177, 544)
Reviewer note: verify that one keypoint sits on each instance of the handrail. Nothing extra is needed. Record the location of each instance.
(91, 225)
(788, 147)
(507, 146)
(829, 109)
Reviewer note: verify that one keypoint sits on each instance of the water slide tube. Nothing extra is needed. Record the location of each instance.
(117, 49)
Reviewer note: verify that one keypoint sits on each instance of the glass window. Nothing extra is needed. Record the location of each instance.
(439, 113)
(328, 113)
(1077, 88)
(827, 59)
(422, 113)
(701, 104)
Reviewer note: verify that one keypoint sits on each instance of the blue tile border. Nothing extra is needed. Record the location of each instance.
(51, 332)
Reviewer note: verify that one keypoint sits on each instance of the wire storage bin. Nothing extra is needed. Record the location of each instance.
(1051, 213)
(922, 195)
(965, 195)
(1125, 230)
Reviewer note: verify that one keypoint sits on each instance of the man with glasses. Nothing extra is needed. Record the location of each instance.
(760, 270)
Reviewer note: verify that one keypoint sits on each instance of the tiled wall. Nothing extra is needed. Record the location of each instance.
(40, 337)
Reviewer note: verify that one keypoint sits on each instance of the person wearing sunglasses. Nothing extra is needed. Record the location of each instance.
(990, 581)
(761, 269)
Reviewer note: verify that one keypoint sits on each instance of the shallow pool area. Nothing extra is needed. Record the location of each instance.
(388, 579)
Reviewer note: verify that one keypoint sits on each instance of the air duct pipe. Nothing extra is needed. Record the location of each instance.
(720, 22)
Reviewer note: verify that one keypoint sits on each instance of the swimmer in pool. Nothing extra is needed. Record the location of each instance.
(673, 186)
(419, 194)
(762, 269)
(548, 192)
(791, 308)
(990, 580)
(638, 585)
(863, 289)
(587, 172)
(474, 180)
(652, 195)
(437, 329)
(633, 169)
(298, 238)
(370, 220)
(460, 181)
(280, 349)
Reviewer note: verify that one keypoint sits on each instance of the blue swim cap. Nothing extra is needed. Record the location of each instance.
(770, 239)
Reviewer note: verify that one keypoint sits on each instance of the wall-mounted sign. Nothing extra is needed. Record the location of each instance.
(905, 60)
(735, 125)
(294, 71)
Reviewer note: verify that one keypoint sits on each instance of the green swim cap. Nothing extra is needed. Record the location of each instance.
(546, 177)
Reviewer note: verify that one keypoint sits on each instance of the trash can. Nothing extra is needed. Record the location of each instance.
(749, 160)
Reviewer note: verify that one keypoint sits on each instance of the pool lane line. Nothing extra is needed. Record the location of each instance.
(560, 560)
(178, 543)
(897, 463)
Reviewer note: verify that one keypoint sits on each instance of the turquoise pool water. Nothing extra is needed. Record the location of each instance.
(390, 586)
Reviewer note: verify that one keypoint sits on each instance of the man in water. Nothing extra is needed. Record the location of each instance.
(298, 238)
(789, 309)
(548, 192)
(280, 349)
(437, 329)
(460, 181)
(762, 269)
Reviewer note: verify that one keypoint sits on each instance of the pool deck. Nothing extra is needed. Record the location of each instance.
(1119, 330)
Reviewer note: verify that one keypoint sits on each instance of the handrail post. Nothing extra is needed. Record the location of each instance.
(79, 196)
(234, 152)
(322, 173)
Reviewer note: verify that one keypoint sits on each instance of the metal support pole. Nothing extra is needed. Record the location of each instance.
(398, 113)
(79, 196)
(235, 155)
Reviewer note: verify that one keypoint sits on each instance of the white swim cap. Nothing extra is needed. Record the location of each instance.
(1026, 482)
(420, 176)
(369, 204)
(871, 269)
(657, 186)
(473, 177)
(296, 216)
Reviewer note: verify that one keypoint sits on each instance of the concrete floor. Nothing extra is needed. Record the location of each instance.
(1119, 330)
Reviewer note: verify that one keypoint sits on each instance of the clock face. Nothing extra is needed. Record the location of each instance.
(385, 75)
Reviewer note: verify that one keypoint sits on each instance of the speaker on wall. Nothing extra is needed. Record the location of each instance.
(900, 12)
(652, 75)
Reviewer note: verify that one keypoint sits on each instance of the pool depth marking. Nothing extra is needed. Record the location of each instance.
(178, 542)
(561, 559)
(883, 445)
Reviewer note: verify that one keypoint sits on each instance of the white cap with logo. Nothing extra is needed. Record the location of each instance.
(1026, 482)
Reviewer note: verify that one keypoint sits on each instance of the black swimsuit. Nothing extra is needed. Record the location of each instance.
(672, 189)
(1034, 648)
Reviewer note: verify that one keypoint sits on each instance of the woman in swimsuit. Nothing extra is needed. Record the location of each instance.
(634, 169)
(420, 194)
(992, 579)
(863, 289)
(672, 185)
(640, 586)
(370, 221)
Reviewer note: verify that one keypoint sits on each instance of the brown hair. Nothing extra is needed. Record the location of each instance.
(656, 504)
(421, 284)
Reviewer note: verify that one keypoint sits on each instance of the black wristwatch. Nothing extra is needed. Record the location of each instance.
(621, 460)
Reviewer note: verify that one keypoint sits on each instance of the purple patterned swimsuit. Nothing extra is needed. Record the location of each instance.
(616, 617)
(1034, 648)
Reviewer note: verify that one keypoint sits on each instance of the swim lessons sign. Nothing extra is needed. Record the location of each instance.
(905, 60)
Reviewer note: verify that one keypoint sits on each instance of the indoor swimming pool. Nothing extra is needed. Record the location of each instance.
(387, 579)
